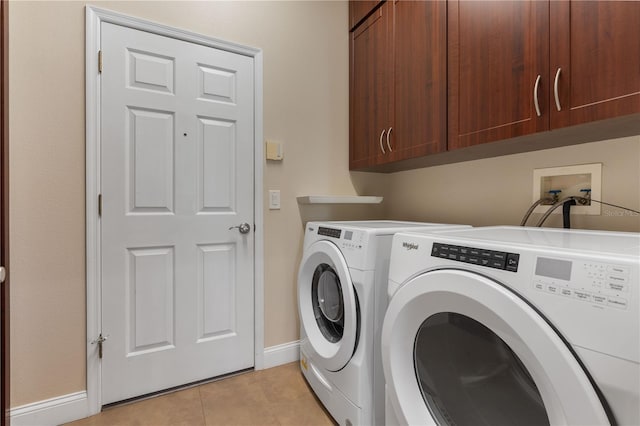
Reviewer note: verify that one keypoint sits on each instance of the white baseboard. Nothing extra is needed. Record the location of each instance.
(51, 412)
(281, 354)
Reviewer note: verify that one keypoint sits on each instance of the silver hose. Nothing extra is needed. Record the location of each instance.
(555, 206)
(533, 207)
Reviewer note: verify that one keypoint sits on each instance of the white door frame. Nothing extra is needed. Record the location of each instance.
(94, 17)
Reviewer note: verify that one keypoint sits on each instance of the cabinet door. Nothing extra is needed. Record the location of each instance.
(420, 79)
(358, 9)
(497, 51)
(596, 47)
(369, 89)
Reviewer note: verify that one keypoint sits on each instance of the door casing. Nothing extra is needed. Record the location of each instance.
(4, 213)
(94, 17)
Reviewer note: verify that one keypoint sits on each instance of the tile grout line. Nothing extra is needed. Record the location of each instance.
(204, 416)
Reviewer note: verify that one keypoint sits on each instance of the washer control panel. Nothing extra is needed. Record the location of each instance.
(348, 239)
(329, 232)
(597, 283)
(477, 256)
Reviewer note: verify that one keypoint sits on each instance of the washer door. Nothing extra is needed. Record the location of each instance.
(459, 348)
(327, 305)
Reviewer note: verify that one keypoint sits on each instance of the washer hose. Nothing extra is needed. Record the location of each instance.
(555, 206)
(533, 207)
(566, 213)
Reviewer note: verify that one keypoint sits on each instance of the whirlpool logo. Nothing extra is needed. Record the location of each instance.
(410, 246)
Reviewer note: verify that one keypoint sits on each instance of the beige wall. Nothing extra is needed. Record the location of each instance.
(498, 191)
(305, 47)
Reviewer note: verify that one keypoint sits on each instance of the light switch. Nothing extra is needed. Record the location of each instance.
(274, 151)
(274, 199)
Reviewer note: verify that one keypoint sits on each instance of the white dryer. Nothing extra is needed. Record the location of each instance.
(511, 325)
(342, 296)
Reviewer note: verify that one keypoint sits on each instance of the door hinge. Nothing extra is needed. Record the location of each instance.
(99, 204)
(100, 61)
(99, 341)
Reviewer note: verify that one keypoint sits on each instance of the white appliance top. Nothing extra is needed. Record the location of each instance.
(614, 243)
(382, 226)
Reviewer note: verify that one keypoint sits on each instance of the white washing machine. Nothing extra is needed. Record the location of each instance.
(511, 325)
(342, 296)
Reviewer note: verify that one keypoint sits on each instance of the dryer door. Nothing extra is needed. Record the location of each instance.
(327, 305)
(459, 348)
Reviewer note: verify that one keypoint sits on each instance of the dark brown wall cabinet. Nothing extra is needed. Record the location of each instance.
(522, 67)
(595, 60)
(431, 76)
(398, 83)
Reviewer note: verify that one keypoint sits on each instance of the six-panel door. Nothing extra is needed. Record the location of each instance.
(176, 174)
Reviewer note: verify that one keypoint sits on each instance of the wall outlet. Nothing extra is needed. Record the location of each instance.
(570, 180)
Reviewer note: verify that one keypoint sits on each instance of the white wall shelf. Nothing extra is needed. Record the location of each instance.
(349, 199)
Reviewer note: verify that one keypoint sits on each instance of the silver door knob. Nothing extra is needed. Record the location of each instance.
(244, 228)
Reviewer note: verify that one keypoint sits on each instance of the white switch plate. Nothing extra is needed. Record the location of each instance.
(274, 199)
(570, 180)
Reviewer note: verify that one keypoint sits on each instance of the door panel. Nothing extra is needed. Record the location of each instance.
(370, 90)
(596, 47)
(217, 307)
(151, 148)
(177, 173)
(216, 84)
(149, 71)
(150, 300)
(216, 167)
(496, 51)
(420, 78)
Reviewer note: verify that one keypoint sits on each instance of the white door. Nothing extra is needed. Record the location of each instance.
(177, 168)
(459, 348)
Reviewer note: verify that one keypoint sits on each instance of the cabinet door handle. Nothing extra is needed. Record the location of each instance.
(535, 95)
(555, 89)
(382, 136)
(388, 143)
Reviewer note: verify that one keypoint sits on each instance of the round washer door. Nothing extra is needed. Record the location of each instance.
(327, 305)
(458, 346)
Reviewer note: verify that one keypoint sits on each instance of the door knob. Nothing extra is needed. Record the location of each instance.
(244, 228)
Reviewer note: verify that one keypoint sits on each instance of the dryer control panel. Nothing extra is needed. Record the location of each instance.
(597, 283)
(477, 256)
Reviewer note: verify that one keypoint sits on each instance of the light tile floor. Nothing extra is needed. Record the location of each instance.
(277, 396)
